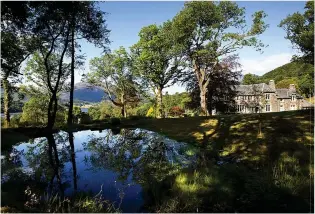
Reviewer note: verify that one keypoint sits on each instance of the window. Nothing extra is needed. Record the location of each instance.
(293, 107)
(240, 108)
(245, 97)
(293, 97)
(267, 96)
(267, 107)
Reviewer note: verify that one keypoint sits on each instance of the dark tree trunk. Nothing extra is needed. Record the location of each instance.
(160, 103)
(123, 106)
(70, 112)
(74, 166)
(56, 166)
(52, 110)
(6, 101)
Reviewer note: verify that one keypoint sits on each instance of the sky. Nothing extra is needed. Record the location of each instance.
(125, 20)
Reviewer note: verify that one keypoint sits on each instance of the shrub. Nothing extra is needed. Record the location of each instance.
(176, 111)
(84, 118)
(115, 121)
(15, 120)
(151, 112)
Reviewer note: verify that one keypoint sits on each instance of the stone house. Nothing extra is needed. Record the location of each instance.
(264, 97)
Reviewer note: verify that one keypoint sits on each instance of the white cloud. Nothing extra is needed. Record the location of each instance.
(174, 88)
(264, 64)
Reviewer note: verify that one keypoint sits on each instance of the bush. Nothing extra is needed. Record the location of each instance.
(176, 111)
(15, 120)
(84, 118)
(115, 121)
(151, 112)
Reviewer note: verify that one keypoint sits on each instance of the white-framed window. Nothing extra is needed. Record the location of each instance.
(267, 96)
(240, 108)
(293, 97)
(292, 107)
(267, 108)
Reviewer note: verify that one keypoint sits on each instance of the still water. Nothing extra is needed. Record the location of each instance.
(121, 164)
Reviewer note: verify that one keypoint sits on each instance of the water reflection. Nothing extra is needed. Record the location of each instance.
(129, 166)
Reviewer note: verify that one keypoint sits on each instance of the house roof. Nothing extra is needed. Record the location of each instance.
(282, 93)
(253, 89)
(285, 93)
(307, 104)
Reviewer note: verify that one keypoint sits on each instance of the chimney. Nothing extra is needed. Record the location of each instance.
(272, 85)
(292, 88)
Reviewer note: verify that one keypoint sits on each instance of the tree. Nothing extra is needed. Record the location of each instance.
(155, 60)
(249, 79)
(221, 88)
(112, 72)
(42, 82)
(207, 32)
(52, 27)
(16, 45)
(87, 22)
(300, 31)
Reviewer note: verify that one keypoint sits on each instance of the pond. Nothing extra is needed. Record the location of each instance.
(119, 164)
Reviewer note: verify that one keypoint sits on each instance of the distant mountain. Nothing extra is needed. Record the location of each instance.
(84, 92)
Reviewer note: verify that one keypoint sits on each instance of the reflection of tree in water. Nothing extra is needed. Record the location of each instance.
(140, 154)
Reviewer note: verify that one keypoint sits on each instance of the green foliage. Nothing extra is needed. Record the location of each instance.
(301, 74)
(94, 112)
(142, 109)
(177, 99)
(109, 110)
(151, 112)
(84, 118)
(300, 31)
(35, 111)
(56, 204)
(285, 83)
(113, 73)
(250, 79)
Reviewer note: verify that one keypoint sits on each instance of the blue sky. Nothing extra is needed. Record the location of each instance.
(125, 19)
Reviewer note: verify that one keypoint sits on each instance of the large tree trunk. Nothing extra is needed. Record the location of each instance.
(160, 103)
(70, 112)
(203, 100)
(6, 102)
(123, 106)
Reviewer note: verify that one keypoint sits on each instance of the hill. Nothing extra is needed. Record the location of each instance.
(85, 93)
(300, 74)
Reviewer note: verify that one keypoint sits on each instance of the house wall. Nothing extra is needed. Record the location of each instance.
(273, 101)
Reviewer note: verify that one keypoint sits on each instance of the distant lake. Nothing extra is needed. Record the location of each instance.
(11, 114)
(84, 110)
